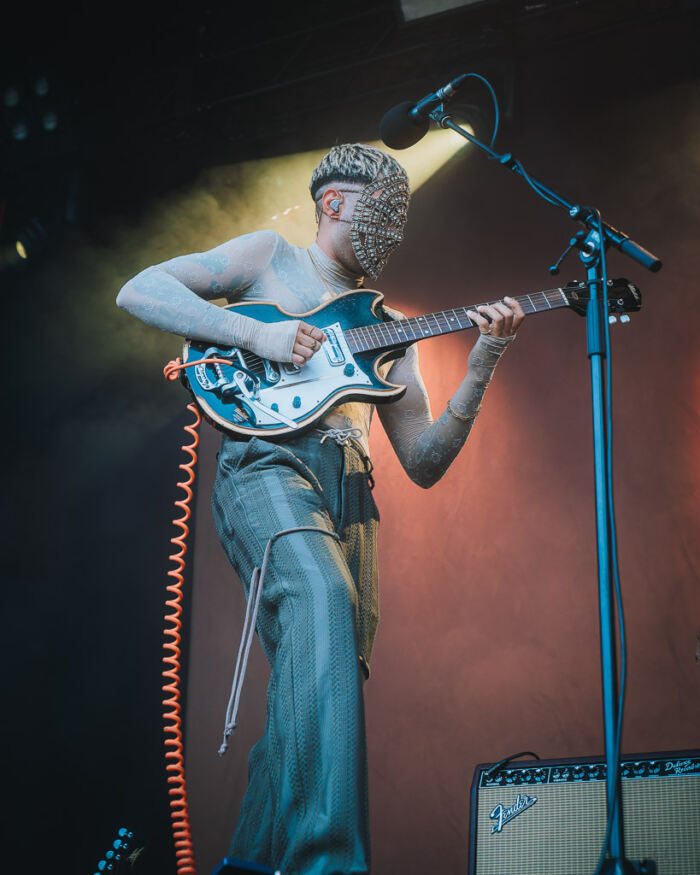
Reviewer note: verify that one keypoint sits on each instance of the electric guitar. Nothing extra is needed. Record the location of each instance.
(242, 393)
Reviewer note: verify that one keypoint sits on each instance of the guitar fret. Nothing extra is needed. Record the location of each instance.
(450, 321)
(399, 328)
(359, 341)
(392, 326)
(469, 324)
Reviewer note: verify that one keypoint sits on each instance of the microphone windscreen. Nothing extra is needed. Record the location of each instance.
(399, 129)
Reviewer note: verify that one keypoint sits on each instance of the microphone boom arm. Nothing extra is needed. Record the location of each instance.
(585, 216)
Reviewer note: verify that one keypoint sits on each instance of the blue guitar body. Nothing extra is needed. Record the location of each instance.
(255, 396)
(243, 393)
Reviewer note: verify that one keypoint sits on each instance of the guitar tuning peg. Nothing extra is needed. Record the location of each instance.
(612, 319)
(624, 318)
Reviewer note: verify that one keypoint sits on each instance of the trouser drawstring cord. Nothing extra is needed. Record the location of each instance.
(257, 581)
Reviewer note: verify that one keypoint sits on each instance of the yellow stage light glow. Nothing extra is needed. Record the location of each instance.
(224, 202)
(297, 223)
(21, 251)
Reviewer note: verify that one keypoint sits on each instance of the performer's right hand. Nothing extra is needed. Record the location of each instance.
(308, 341)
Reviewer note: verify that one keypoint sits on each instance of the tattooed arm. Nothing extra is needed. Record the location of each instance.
(427, 448)
(175, 296)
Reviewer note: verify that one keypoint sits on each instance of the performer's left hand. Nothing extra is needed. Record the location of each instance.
(498, 320)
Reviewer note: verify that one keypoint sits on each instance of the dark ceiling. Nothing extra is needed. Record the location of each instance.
(146, 94)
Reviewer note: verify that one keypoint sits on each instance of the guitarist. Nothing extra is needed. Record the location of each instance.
(305, 809)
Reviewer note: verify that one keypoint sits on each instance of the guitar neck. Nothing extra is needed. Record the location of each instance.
(403, 332)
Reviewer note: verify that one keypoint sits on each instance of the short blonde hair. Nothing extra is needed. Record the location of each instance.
(353, 162)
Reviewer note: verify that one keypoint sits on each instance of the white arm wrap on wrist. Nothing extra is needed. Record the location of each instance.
(269, 340)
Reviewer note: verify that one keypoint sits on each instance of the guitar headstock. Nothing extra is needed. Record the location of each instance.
(623, 297)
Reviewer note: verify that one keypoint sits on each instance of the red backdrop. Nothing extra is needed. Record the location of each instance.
(488, 641)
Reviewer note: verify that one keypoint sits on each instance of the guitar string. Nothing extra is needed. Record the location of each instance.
(382, 331)
(552, 298)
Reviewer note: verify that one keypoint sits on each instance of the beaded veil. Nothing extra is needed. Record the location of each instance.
(378, 221)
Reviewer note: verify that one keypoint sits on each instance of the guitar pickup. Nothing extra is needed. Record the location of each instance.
(332, 348)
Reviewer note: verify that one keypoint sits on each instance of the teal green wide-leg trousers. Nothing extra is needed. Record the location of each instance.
(305, 809)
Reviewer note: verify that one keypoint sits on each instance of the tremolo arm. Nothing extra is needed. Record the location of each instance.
(243, 383)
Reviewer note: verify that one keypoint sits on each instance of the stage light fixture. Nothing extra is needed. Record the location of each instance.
(20, 131)
(41, 86)
(32, 239)
(49, 121)
(10, 97)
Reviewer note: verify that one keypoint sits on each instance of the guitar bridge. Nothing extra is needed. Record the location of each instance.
(243, 381)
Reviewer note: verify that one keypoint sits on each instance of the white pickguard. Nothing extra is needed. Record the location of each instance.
(301, 390)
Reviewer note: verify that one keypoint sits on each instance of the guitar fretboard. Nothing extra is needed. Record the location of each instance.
(401, 332)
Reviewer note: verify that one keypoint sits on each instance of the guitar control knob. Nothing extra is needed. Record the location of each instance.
(275, 406)
(624, 318)
(296, 402)
(349, 370)
(612, 319)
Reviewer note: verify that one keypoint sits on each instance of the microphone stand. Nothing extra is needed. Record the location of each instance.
(592, 241)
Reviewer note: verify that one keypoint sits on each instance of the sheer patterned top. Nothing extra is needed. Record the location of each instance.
(178, 295)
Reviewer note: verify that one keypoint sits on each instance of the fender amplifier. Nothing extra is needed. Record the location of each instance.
(549, 817)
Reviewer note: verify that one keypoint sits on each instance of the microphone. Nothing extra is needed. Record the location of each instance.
(408, 122)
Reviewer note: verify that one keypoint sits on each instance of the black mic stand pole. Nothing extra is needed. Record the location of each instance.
(592, 243)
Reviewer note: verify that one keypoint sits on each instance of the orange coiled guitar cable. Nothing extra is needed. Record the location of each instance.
(175, 766)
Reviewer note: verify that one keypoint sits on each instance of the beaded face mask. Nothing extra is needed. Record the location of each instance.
(376, 227)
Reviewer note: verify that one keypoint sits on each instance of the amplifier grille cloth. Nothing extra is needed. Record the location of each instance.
(562, 833)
